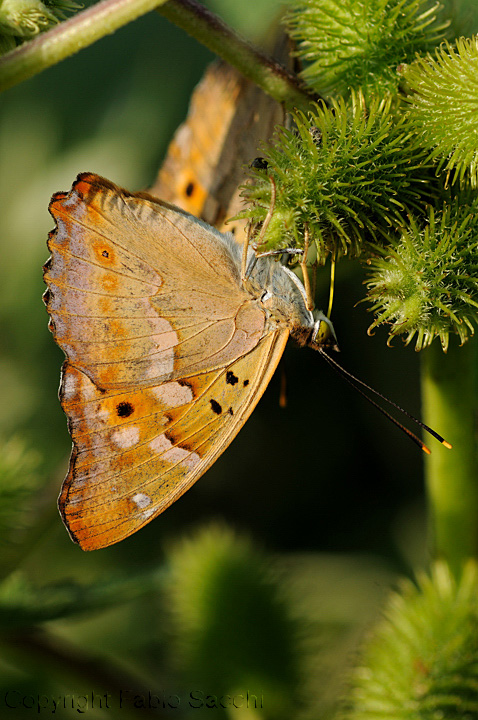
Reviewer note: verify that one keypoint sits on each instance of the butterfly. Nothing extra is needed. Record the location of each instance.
(171, 333)
(228, 119)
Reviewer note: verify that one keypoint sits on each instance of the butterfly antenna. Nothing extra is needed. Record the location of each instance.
(355, 383)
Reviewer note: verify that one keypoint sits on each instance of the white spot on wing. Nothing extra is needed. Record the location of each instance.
(142, 500)
(69, 385)
(165, 343)
(162, 347)
(103, 413)
(183, 137)
(162, 365)
(125, 437)
(174, 455)
(167, 338)
(189, 459)
(160, 444)
(172, 394)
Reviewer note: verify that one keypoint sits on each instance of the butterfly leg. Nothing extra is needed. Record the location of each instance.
(248, 261)
(245, 271)
(314, 277)
(283, 251)
(309, 291)
(245, 249)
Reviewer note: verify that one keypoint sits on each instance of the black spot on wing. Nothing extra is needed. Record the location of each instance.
(124, 409)
(177, 441)
(230, 411)
(216, 407)
(245, 383)
(184, 383)
(231, 379)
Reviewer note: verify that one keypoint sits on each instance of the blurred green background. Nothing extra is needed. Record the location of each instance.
(326, 488)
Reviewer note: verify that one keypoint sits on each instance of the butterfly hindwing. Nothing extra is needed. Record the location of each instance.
(136, 451)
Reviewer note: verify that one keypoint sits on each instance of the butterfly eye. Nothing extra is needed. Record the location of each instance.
(323, 333)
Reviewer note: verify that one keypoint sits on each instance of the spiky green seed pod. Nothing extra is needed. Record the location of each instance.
(23, 19)
(359, 44)
(233, 627)
(422, 661)
(426, 285)
(444, 105)
(345, 174)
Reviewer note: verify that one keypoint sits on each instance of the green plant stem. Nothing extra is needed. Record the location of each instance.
(449, 388)
(69, 37)
(261, 69)
(107, 16)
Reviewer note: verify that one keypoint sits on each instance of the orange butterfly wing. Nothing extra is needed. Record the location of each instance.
(228, 118)
(141, 292)
(167, 355)
(137, 451)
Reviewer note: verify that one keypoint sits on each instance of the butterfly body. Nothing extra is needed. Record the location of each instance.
(168, 349)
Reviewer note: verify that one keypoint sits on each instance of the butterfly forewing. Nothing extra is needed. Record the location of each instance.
(136, 452)
(140, 292)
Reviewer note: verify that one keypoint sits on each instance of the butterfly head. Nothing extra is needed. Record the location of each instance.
(283, 297)
(323, 334)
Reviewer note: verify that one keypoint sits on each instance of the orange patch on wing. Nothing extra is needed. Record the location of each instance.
(109, 283)
(104, 253)
(85, 184)
(117, 329)
(105, 305)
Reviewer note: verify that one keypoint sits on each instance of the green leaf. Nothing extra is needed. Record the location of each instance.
(19, 483)
(23, 603)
